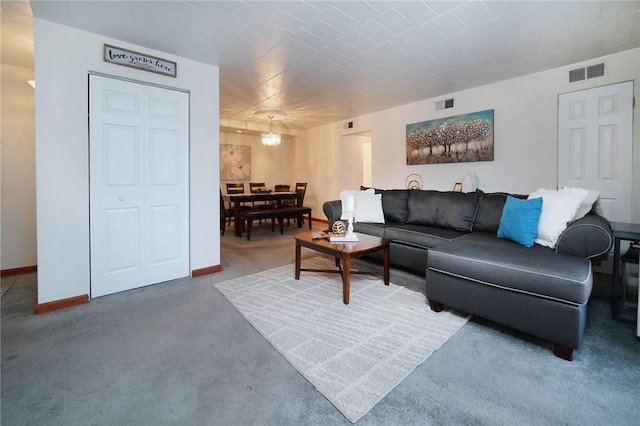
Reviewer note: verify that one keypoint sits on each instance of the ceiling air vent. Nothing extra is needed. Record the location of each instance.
(592, 71)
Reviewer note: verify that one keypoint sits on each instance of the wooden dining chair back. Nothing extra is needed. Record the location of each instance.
(224, 213)
(280, 188)
(255, 186)
(301, 188)
(234, 188)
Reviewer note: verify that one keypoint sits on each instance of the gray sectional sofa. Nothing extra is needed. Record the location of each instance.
(451, 238)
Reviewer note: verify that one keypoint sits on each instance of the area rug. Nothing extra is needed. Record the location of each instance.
(353, 354)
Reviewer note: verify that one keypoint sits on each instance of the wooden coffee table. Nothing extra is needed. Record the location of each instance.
(344, 251)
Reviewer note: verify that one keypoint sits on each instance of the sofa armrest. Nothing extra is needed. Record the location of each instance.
(590, 237)
(333, 211)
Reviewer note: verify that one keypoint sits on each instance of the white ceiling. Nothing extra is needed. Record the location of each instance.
(324, 61)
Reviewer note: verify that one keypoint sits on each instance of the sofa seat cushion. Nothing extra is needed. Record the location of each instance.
(482, 257)
(419, 235)
(375, 229)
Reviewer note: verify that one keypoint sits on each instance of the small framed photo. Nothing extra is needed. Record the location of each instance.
(457, 187)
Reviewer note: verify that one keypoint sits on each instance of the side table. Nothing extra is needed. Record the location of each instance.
(627, 232)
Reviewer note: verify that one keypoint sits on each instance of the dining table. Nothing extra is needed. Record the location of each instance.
(272, 197)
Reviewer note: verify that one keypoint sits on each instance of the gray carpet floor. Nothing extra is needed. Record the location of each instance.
(178, 353)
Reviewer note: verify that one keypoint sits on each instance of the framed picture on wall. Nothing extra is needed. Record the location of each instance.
(235, 162)
(457, 139)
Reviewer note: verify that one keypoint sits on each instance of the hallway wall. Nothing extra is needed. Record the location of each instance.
(18, 191)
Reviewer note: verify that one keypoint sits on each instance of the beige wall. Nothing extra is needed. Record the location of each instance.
(18, 208)
(271, 165)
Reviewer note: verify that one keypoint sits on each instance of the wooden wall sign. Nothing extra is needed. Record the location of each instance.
(129, 58)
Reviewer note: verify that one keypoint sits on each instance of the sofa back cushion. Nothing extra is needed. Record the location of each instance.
(395, 205)
(489, 211)
(449, 210)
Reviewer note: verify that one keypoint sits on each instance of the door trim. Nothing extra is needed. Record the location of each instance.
(130, 80)
(153, 275)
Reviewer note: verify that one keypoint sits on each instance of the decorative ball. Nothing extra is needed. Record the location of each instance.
(339, 228)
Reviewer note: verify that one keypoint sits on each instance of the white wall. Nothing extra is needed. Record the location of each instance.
(525, 155)
(63, 58)
(18, 207)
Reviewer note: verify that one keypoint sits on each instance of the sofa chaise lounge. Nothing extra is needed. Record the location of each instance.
(451, 238)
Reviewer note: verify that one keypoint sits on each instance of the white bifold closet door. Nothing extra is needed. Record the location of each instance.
(139, 184)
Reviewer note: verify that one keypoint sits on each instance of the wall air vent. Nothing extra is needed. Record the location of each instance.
(446, 104)
(592, 71)
(576, 75)
(347, 125)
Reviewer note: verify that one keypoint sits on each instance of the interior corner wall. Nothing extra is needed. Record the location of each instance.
(318, 159)
(18, 204)
(525, 121)
(64, 57)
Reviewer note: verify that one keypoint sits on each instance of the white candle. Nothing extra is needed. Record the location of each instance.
(351, 203)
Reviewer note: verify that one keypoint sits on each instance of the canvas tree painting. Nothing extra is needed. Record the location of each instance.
(457, 139)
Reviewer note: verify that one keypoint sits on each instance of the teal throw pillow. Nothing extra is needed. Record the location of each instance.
(519, 221)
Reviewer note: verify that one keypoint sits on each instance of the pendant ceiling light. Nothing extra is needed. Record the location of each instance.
(270, 138)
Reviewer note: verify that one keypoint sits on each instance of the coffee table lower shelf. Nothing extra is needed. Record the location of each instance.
(343, 252)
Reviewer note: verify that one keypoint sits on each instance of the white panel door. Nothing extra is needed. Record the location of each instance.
(595, 145)
(139, 187)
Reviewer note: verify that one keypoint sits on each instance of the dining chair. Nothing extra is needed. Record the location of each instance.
(223, 215)
(282, 188)
(301, 188)
(256, 188)
(235, 188)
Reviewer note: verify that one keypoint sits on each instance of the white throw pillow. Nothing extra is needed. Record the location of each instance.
(558, 209)
(343, 198)
(587, 203)
(369, 207)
